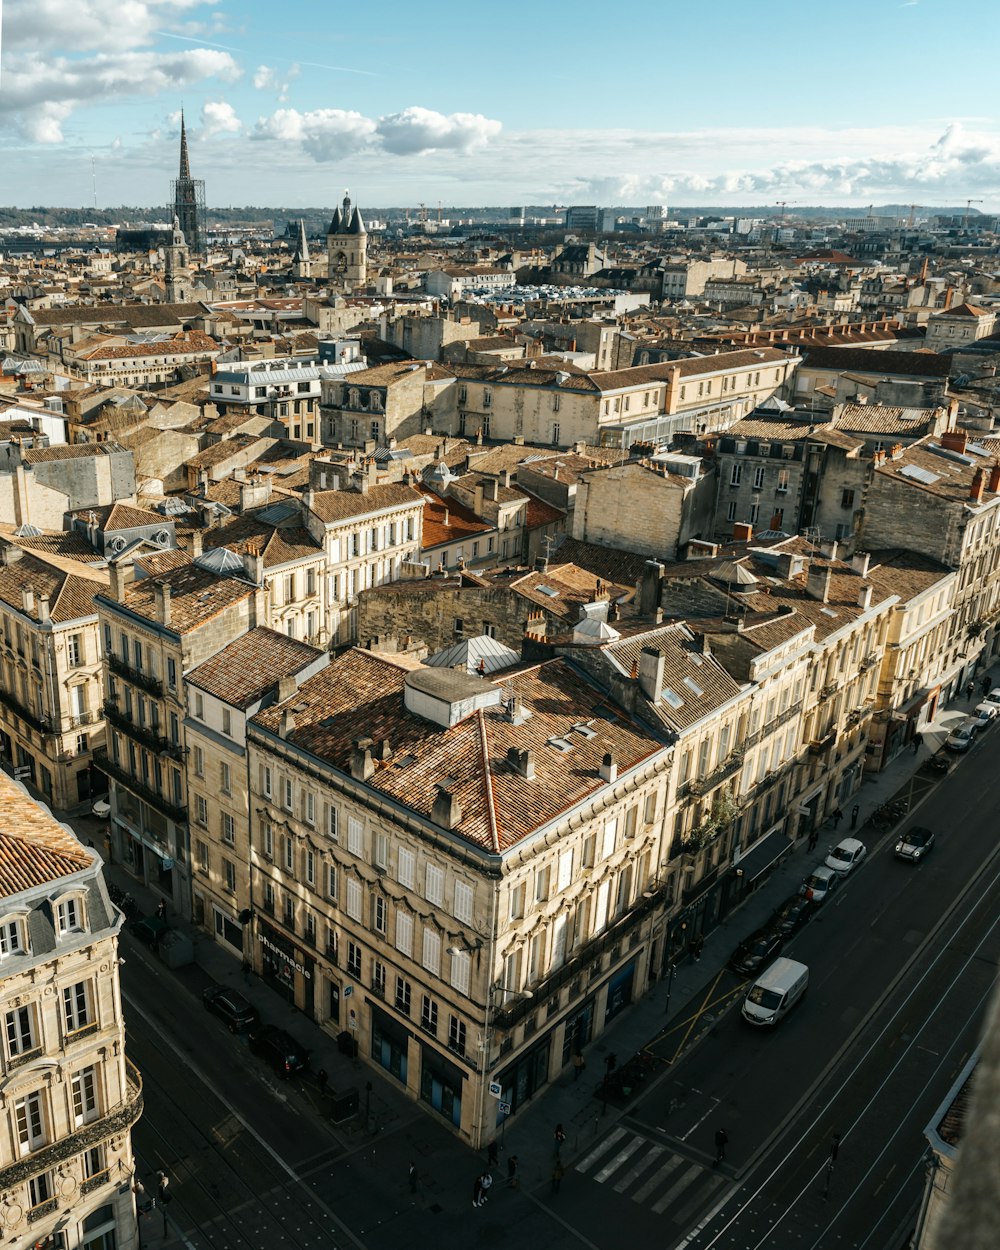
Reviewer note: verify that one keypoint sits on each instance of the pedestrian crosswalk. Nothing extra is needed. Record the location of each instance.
(649, 1173)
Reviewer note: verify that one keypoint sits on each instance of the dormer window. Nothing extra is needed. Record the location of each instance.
(69, 915)
(13, 938)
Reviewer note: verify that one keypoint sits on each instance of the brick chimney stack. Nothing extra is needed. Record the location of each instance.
(994, 483)
(978, 487)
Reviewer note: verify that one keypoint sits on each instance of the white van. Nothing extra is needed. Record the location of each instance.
(774, 994)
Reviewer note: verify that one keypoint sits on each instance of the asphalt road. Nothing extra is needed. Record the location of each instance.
(902, 961)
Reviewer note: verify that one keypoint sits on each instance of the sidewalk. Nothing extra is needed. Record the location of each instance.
(566, 1101)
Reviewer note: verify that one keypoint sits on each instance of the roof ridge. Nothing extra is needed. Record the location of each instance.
(488, 782)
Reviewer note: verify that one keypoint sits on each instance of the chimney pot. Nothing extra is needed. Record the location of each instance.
(978, 487)
(608, 770)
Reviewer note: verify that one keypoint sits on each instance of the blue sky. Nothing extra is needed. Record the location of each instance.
(558, 102)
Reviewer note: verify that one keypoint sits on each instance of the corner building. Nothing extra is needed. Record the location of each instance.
(459, 876)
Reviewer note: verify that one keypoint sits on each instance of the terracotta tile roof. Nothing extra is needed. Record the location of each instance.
(777, 431)
(35, 848)
(69, 451)
(566, 587)
(361, 695)
(964, 310)
(218, 453)
(146, 316)
(952, 480)
(70, 597)
(69, 544)
(345, 505)
(446, 521)
(872, 361)
(904, 573)
(609, 563)
(192, 343)
(156, 562)
(886, 419)
(196, 595)
(242, 672)
(276, 545)
(120, 516)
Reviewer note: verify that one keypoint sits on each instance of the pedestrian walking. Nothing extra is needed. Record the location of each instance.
(321, 1080)
(987, 685)
(970, 690)
(486, 1183)
(579, 1063)
(162, 1182)
(721, 1142)
(161, 910)
(697, 943)
(813, 839)
(918, 741)
(492, 1156)
(838, 816)
(477, 1192)
(413, 1178)
(855, 813)
(512, 1171)
(557, 1175)
(559, 1136)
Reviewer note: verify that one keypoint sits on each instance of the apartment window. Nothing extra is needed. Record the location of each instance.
(199, 762)
(777, 518)
(331, 880)
(74, 650)
(555, 430)
(332, 822)
(354, 898)
(758, 477)
(404, 933)
(310, 866)
(265, 781)
(310, 581)
(289, 913)
(847, 499)
(378, 978)
(228, 828)
(463, 902)
(94, 1162)
(355, 836)
(608, 841)
(542, 883)
(201, 855)
(754, 513)
(354, 960)
(434, 884)
(429, 1015)
(40, 1191)
(20, 1028)
(199, 706)
(460, 969)
(431, 954)
(736, 476)
(782, 481)
(76, 1006)
(731, 511)
(517, 901)
(68, 916)
(310, 808)
(200, 810)
(267, 838)
(379, 913)
(456, 1035)
(269, 898)
(288, 848)
(403, 993)
(29, 1115)
(227, 722)
(564, 873)
(85, 1106)
(380, 850)
(310, 932)
(171, 673)
(487, 397)
(287, 795)
(229, 871)
(406, 867)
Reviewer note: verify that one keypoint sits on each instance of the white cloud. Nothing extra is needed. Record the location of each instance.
(326, 134)
(218, 117)
(423, 130)
(87, 24)
(40, 92)
(267, 79)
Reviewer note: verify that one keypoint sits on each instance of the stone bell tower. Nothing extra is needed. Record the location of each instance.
(347, 249)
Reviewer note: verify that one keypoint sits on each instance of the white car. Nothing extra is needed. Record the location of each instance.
(846, 856)
(994, 696)
(986, 714)
(960, 738)
(101, 808)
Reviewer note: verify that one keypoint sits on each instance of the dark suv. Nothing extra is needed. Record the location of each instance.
(231, 1008)
(279, 1049)
(759, 949)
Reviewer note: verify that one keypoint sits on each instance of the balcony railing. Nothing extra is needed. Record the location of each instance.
(173, 811)
(722, 772)
(146, 734)
(120, 1120)
(150, 684)
(19, 710)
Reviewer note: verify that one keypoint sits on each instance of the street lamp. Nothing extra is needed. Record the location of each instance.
(487, 1043)
(466, 947)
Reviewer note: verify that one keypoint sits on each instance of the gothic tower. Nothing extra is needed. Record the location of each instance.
(176, 275)
(301, 264)
(189, 200)
(347, 248)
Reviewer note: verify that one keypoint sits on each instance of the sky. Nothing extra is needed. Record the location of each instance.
(559, 102)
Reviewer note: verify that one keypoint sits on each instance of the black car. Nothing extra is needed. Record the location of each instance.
(279, 1049)
(915, 844)
(759, 948)
(791, 915)
(149, 930)
(231, 1008)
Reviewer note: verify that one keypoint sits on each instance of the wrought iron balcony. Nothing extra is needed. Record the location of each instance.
(147, 735)
(117, 1121)
(19, 710)
(172, 811)
(143, 680)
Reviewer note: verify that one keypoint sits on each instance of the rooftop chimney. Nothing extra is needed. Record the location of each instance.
(362, 763)
(287, 723)
(978, 487)
(161, 597)
(954, 440)
(447, 811)
(522, 761)
(608, 770)
(818, 582)
(651, 664)
(122, 576)
(43, 607)
(27, 599)
(649, 588)
(860, 562)
(197, 544)
(994, 483)
(742, 533)
(865, 597)
(287, 686)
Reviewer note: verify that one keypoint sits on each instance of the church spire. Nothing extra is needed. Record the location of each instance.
(185, 171)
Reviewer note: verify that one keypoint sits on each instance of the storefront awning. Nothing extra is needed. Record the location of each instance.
(761, 856)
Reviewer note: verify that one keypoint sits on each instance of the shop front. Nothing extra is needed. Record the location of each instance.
(286, 969)
(441, 1084)
(619, 991)
(526, 1075)
(390, 1043)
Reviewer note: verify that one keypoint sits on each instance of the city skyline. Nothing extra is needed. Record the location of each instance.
(440, 105)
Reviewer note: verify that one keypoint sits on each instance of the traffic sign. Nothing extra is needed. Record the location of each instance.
(505, 1108)
(21, 772)
(348, 991)
(496, 1089)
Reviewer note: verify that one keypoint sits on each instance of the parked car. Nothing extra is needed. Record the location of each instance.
(985, 714)
(846, 855)
(101, 808)
(149, 930)
(994, 695)
(791, 915)
(960, 738)
(235, 1011)
(278, 1049)
(915, 843)
(820, 884)
(758, 949)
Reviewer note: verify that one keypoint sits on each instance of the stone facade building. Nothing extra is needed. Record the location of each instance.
(70, 1095)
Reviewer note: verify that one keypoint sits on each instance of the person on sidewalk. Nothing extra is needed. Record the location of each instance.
(855, 813)
(477, 1192)
(486, 1181)
(413, 1178)
(987, 685)
(579, 1063)
(721, 1142)
(512, 1171)
(970, 689)
(161, 910)
(918, 742)
(697, 943)
(813, 838)
(559, 1136)
(838, 816)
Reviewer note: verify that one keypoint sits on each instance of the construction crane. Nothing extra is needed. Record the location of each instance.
(968, 204)
(783, 204)
(423, 214)
(909, 220)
